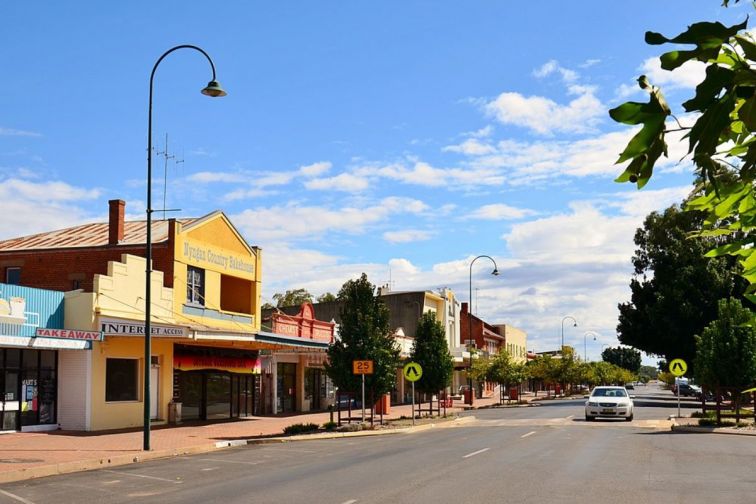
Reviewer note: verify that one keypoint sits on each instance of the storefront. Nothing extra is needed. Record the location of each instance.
(214, 383)
(31, 340)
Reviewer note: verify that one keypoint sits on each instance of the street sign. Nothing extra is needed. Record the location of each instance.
(413, 371)
(678, 367)
(362, 367)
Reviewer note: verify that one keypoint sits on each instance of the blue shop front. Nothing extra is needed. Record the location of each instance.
(32, 334)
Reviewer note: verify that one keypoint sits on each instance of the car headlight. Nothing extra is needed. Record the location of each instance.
(623, 404)
(591, 403)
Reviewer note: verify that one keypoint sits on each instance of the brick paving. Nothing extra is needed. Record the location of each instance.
(26, 455)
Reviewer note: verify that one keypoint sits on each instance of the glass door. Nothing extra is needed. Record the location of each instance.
(10, 401)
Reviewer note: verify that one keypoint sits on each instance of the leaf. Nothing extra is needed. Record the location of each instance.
(644, 139)
(747, 113)
(717, 78)
(749, 48)
(706, 36)
(728, 249)
(704, 135)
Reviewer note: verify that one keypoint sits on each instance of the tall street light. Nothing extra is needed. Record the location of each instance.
(585, 343)
(213, 89)
(495, 272)
(561, 349)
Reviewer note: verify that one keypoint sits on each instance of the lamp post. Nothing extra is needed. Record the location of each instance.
(585, 343)
(495, 272)
(213, 89)
(561, 349)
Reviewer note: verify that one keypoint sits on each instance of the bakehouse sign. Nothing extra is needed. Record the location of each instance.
(227, 262)
(113, 327)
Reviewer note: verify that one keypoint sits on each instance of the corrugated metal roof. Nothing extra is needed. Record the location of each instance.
(90, 235)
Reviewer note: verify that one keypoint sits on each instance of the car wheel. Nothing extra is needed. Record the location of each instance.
(588, 418)
(630, 418)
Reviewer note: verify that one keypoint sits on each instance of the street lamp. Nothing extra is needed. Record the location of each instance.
(495, 272)
(213, 89)
(561, 349)
(585, 343)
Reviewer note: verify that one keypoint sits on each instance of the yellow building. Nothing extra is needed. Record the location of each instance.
(516, 341)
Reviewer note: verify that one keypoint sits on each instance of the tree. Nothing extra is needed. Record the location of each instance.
(727, 348)
(431, 351)
(627, 358)
(504, 371)
(326, 298)
(480, 369)
(292, 298)
(648, 373)
(720, 141)
(365, 335)
(674, 288)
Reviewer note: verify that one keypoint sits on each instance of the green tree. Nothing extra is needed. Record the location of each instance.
(480, 369)
(292, 298)
(627, 358)
(505, 371)
(720, 141)
(727, 348)
(431, 351)
(364, 335)
(326, 298)
(674, 288)
(648, 373)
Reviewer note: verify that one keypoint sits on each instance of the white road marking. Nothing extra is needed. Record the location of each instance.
(569, 417)
(210, 469)
(141, 476)
(476, 453)
(17, 497)
(528, 434)
(350, 501)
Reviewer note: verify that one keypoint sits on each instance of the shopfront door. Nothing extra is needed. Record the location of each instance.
(286, 387)
(10, 406)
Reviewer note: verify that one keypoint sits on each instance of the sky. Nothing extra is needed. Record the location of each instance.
(396, 138)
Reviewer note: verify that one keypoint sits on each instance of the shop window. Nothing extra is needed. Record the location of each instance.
(121, 380)
(13, 276)
(195, 285)
(236, 294)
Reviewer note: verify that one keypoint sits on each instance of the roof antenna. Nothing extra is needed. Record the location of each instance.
(166, 157)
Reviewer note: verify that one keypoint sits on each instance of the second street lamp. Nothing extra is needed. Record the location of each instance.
(561, 349)
(213, 89)
(495, 272)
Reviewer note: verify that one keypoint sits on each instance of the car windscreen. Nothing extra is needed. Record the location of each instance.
(618, 392)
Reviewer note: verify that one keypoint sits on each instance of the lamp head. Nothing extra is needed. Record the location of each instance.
(574, 325)
(495, 272)
(214, 90)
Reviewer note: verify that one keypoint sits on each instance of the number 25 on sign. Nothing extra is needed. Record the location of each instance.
(362, 367)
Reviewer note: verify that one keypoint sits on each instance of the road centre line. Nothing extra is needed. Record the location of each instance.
(350, 501)
(16, 497)
(226, 461)
(141, 476)
(528, 434)
(476, 453)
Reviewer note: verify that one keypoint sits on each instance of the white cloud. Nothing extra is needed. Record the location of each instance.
(205, 177)
(553, 66)
(500, 211)
(483, 132)
(315, 169)
(345, 182)
(471, 147)
(689, 75)
(290, 222)
(32, 207)
(17, 132)
(407, 236)
(544, 116)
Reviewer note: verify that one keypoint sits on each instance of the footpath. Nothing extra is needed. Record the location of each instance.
(26, 455)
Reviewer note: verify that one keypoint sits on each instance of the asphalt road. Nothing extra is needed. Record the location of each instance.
(521, 455)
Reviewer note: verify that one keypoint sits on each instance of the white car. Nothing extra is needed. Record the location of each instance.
(610, 402)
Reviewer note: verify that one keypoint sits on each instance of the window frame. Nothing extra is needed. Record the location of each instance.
(8, 273)
(136, 396)
(195, 286)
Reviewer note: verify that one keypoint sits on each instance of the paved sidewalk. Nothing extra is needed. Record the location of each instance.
(25, 455)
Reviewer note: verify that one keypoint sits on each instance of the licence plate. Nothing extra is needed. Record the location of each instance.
(607, 411)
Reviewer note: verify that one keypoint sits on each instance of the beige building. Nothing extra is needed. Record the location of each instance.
(515, 341)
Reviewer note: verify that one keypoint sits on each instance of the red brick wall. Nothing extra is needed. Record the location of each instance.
(58, 269)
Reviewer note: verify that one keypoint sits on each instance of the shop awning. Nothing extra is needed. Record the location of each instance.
(290, 341)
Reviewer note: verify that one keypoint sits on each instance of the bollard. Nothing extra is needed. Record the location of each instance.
(330, 412)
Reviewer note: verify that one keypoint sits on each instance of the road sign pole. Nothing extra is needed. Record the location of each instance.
(413, 403)
(678, 399)
(363, 398)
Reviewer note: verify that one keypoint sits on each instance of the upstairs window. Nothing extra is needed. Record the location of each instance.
(195, 286)
(13, 276)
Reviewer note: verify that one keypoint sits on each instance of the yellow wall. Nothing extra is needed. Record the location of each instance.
(214, 246)
(517, 343)
(118, 415)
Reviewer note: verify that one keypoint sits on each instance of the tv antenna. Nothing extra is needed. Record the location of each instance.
(166, 157)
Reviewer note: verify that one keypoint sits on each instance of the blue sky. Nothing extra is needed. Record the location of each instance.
(396, 138)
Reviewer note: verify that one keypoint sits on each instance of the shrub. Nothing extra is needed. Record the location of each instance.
(299, 428)
(329, 426)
